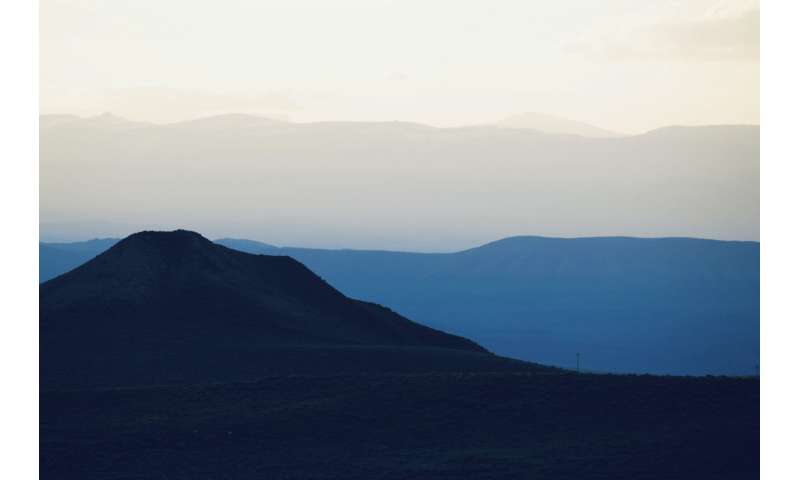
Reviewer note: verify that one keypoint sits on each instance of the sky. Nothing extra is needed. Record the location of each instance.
(624, 65)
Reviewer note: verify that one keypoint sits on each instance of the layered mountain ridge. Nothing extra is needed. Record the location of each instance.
(677, 181)
(633, 305)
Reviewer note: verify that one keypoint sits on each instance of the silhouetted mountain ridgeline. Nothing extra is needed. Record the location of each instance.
(668, 305)
(165, 307)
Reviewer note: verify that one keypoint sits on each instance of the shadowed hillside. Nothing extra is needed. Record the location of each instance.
(174, 307)
(667, 306)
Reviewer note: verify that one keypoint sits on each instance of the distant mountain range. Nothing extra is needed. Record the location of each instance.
(449, 186)
(106, 121)
(670, 305)
(555, 125)
(167, 307)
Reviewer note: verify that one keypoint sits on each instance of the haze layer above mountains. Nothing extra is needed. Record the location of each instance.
(390, 184)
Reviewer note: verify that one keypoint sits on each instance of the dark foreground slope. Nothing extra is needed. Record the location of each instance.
(419, 426)
(174, 307)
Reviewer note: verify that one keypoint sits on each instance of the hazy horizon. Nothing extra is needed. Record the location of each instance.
(504, 122)
(77, 237)
(601, 80)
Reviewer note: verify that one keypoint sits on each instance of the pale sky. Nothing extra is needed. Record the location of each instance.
(623, 65)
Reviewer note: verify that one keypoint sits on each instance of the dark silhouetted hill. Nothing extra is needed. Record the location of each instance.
(172, 306)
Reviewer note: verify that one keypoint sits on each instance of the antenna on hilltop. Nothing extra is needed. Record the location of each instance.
(578, 362)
